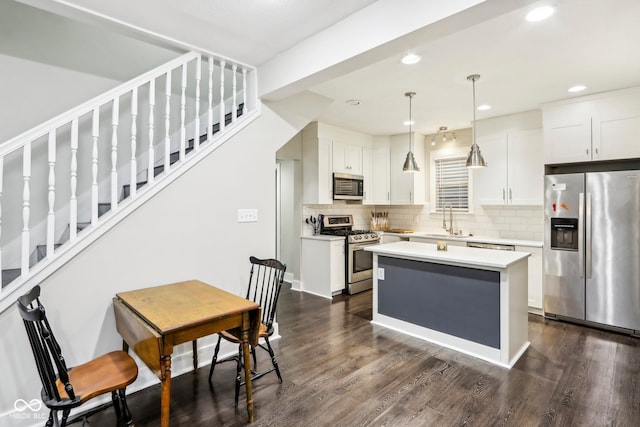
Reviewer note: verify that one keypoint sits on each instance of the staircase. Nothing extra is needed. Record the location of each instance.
(113, 165)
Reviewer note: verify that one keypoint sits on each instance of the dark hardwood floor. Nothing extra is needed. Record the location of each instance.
(339, 370)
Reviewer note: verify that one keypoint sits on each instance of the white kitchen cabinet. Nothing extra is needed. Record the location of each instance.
(535, 277)
(593, 128)
(375, 168)
(317, 178)
(322, 267)
(367, 173)
(515, 170)
(337, 266)
(407, 188)
(347, 158)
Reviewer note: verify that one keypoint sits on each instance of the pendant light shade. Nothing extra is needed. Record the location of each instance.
(475, 159)
(410, 164)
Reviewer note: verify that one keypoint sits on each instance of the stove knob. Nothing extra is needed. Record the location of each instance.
(366, 236)
(357, 237)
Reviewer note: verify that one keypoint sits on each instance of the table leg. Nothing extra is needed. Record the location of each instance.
(195, 355)
(246, 352)
(165, 394)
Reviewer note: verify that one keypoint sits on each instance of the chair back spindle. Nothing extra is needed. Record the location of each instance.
(265, 283)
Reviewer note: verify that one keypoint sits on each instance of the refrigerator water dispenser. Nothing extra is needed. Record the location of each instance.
(564, 234)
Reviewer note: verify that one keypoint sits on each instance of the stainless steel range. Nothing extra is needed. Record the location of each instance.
(358, 263)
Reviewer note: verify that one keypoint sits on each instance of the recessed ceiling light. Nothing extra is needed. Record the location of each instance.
(484, 107)
(540, 13)
(352, 102)
(411, 58)
(408, 122)
(577, 88)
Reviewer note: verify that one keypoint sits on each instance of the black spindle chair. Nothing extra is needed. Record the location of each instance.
(265, 282)
(66, 388)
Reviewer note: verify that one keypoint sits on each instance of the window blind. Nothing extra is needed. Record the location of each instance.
(452, 183)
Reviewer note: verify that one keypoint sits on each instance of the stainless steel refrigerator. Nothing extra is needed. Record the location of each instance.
(592, 247)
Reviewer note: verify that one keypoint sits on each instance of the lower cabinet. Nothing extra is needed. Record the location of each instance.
(535, 277)
(322, 265)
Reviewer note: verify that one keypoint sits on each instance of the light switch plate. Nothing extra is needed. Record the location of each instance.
(247, 215)
(380, 273)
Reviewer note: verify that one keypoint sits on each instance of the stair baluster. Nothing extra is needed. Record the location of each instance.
(95, 134)
(73, 184)
(152, 156)
(196, 134)
(134, 134)
(51, 215)
(167, 123)
(222, 108)
(244, 90)
(210, 110)
(234, 107)
(183, 109)
(26, 200)
(115, 119)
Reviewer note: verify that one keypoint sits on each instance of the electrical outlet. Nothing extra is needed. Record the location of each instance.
(380, 273)
(247, 215)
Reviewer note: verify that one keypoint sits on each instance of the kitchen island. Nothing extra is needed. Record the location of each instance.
(467, 299)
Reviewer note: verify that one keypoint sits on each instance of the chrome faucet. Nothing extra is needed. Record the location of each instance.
(444, 218)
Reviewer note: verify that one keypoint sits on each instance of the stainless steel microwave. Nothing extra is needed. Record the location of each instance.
(348, 187)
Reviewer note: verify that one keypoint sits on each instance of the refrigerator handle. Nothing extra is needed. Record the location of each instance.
(588, 236)
(581, 234)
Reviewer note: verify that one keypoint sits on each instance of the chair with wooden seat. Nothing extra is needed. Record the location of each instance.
(265, 282)
(66, 388)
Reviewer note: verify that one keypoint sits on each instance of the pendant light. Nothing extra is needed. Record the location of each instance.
(475, 159)
(410, 164)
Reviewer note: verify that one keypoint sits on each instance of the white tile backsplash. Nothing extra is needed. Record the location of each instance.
(507, 222)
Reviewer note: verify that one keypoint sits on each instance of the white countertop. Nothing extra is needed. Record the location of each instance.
(454, 255)
(475, 239)
(323, 237)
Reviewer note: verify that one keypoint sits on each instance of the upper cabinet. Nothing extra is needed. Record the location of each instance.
(380, 175)
(591, 128)
(407, 188)
(376, 174)
(316, 167)
(512, 147)
(515, 170)
(347, 158)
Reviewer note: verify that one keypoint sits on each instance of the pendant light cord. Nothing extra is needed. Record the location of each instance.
(410, 120)
(474, 110)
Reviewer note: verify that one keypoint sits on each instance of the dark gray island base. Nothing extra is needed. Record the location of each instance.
(470, 301)
(468, 306)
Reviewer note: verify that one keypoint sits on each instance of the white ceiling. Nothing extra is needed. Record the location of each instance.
(522, 65)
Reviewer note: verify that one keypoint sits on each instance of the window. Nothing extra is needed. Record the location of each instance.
(450, 181)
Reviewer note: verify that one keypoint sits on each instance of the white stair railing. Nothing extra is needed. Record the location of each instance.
(93, 156)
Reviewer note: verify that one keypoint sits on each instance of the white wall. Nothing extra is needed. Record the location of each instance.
(187, 231)
(33, 92)
(290, 199)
